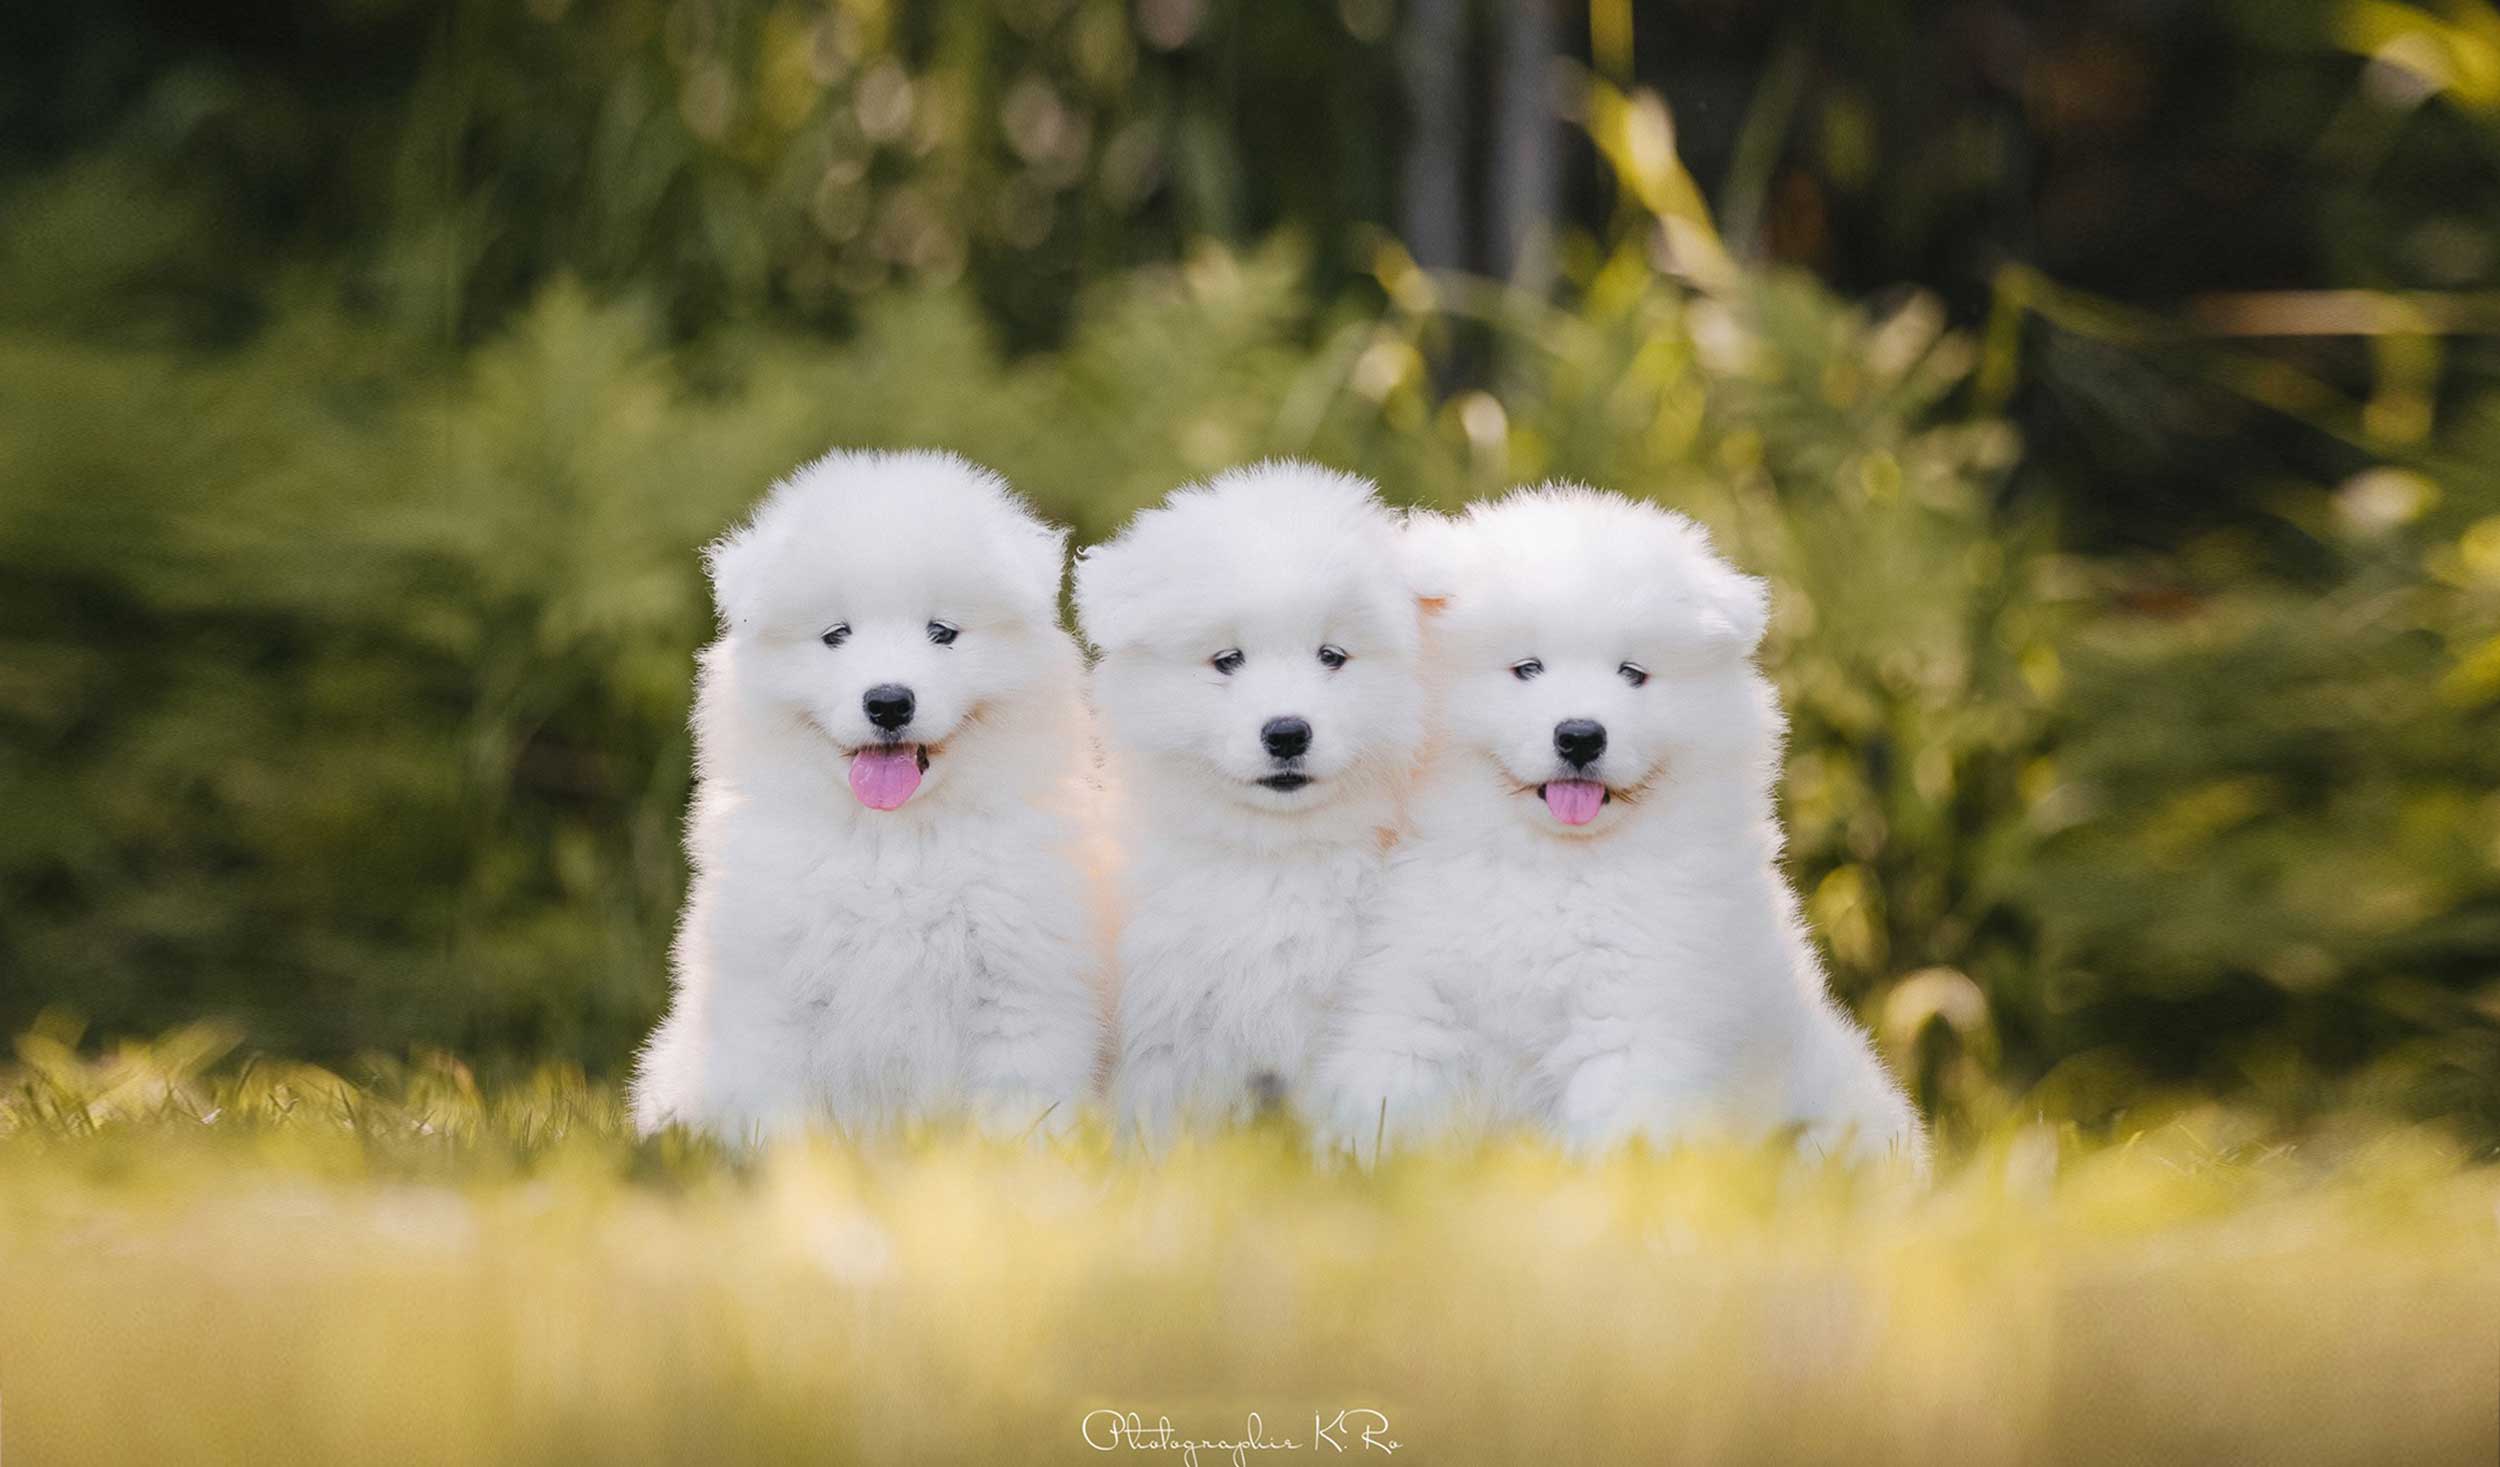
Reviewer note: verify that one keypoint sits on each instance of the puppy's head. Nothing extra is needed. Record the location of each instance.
(884, 602)
(1594, 654)
(1258, 638)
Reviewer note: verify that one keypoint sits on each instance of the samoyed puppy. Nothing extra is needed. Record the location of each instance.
(1258, 697)
(888, 918)
(1587, 932)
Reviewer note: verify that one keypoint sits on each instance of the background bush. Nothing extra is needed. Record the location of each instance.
(369, 373)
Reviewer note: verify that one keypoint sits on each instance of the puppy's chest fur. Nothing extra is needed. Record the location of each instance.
(1228, 963)
(1517, 941)
(880, 947)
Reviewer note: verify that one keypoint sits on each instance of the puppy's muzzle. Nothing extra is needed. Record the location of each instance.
(1285, 738)
(1580, 742)
(889, 706)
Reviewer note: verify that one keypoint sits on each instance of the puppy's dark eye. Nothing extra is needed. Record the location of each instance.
(1332, 657)
(1634, 673)
(944, 633)
(1526, 668)
(840, 634)
(1228, 661)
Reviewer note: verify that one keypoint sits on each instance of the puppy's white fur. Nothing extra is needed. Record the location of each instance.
(866, 967)
(1242, 902)
(1643, 975)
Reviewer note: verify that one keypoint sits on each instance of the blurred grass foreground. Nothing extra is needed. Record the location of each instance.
(276, 1266)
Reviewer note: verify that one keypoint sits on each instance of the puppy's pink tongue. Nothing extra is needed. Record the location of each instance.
(884, 777)
(1573, 801)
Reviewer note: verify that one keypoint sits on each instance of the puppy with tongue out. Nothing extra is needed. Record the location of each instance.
(1587, 933)
(885, 775)
(890, 917)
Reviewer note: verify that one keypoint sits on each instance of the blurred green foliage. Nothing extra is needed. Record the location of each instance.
(367, 381)
(724, 159)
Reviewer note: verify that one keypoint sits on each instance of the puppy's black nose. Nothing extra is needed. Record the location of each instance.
(1579, 741)
(889, 706)
(1286, 738)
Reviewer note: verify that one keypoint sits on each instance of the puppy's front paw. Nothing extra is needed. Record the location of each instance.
(1605, 1105)
(1858, 1143)
(1376, 1106)
(1146, 1100)
(1025, 1116)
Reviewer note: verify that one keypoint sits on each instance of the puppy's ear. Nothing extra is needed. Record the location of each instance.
(1736, 609)
(1109, 593)
(1038, 553)
(735, 565)
(1429, 552)
(1733, 608)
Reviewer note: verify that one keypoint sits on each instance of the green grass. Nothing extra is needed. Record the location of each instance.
(209, 1262)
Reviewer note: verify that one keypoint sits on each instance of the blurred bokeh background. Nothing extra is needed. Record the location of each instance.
(2111, 389)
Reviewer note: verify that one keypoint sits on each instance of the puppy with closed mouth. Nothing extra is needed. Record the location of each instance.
(1587, 931)
(1256, 689)
(888, 918)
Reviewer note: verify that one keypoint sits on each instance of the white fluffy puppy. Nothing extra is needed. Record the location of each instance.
(887, 919)
(1258, 697)
(1587, 931)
